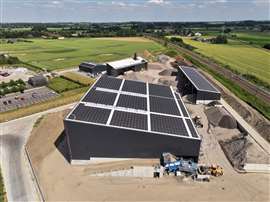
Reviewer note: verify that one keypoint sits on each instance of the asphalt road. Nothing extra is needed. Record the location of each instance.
(18, 180)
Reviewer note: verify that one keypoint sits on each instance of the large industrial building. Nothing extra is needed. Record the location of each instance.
(191, 82)
(121, 66)
(120, 118)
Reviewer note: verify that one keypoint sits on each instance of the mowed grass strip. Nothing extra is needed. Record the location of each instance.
(78, 78)
(67, 53)
(243, 58)
(2, 189)
(60, 84)
(65, 98)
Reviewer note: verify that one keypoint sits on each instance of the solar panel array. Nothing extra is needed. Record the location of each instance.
(135, 105)
(200, 82)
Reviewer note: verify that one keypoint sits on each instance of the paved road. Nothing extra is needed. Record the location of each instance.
(18, 180)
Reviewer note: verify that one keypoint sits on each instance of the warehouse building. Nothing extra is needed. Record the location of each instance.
(38, 80)
(92, 68)
(121, 66)
(191, 82)
(120, 118)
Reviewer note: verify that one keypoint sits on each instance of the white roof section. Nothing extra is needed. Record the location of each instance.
(119, 64)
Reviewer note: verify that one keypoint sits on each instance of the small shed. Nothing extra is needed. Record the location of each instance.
(218, 116)
(38, 80)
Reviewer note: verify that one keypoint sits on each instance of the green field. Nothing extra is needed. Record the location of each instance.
(59, 54)
(60, 85)
(243, 58)
(254, 38)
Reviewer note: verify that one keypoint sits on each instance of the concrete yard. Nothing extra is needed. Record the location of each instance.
(29, 97)
(16, 73)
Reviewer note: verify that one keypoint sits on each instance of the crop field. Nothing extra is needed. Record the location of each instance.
(67, 53)
(254, 38)
(238, 56)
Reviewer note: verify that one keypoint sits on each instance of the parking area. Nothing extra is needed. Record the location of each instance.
(15, 73)
(29, 97)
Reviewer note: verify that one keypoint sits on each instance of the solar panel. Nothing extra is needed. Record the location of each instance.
(191, 128)
(163, 105)
(90, 114)
(181, 104)
(134, 87)
(109, 82)
(166, 124)
(100, 97)
(200, 82)
(133, 102)
(159, 90)
(129, 120)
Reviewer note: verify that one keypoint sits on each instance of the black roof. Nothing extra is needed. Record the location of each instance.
(198, 80)
(134, 105)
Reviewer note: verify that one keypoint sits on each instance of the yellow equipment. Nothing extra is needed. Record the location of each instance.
(216, 170)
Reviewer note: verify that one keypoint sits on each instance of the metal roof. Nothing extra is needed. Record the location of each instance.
(120, 64)
(198, 80)
(138, 106)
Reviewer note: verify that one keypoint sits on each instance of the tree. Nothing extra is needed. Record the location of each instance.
(220, 39)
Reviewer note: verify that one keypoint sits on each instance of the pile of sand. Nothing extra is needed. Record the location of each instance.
(218, 116)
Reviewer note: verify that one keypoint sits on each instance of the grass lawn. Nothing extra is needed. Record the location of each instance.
(243, 58)
(60, 85)
(59, 54)
(78, 78)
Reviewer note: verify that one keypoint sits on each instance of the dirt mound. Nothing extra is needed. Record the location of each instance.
(168, 72)
(166, 82)
(218, 116)
(236, 150)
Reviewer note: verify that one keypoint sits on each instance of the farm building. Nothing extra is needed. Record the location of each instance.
(92, 67)
(38, 80)
(191, 82)
(121, 66)
(120, 118)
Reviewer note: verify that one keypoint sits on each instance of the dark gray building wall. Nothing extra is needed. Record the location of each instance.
(93, 70)
(185, 87)
(203, 95)
(88, 140)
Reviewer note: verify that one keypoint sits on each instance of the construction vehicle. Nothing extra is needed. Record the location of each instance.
(214, 170)
(186, 166)
(197, 122)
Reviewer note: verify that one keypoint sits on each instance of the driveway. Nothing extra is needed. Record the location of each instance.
(18, 180)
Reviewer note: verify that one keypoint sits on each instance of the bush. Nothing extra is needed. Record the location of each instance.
(171, 53)
(267, 46)
(220, 39)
